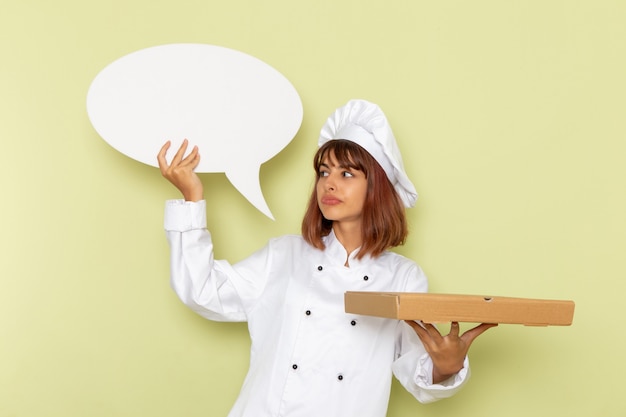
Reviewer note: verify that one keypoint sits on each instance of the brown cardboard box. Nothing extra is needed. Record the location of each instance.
(440, 308)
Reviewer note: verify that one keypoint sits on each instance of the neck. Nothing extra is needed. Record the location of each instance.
(349, 235)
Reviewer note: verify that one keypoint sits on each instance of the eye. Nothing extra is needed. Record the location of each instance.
(347, 174)
(322, 173)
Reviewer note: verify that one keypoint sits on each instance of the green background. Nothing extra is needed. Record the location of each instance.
(510, 116)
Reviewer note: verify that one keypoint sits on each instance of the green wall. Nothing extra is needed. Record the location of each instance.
(510, 116)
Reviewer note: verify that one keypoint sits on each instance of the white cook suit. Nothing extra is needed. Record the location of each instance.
(308, 357)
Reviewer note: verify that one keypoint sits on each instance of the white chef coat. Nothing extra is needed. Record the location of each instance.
(308, 357)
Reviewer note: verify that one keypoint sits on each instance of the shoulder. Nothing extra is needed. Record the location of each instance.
(405, 269)
(286, 240)
(290, 243)
(277, 253)
(397, 261)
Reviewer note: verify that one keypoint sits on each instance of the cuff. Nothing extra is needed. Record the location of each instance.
(424, 375)
(182, 216)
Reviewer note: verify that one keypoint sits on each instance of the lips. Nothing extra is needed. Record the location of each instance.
(330, 200)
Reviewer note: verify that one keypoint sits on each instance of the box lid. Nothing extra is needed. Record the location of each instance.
(440, 308)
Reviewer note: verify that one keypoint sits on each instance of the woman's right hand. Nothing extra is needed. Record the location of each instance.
(180, 172)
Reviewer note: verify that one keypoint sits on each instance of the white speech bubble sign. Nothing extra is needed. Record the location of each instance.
(237, 109)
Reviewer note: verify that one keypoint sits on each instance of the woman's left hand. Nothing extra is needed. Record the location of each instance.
(447, 352)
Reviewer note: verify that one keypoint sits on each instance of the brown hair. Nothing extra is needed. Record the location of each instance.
(384, 219)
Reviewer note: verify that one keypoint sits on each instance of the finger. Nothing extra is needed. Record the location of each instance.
(193, 159)
(422, 333)
(473, 333)
(454, 329)
(161, 157)
(196, 159)
(190, 159)
(433, 332)
(427, 333)
(179, 154)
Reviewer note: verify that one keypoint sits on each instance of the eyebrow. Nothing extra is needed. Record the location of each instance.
(323, 164)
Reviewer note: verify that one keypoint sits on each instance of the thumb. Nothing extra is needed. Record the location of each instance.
(473, 333)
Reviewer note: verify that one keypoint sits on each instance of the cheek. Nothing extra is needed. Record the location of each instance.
(362, 193)
(319, 191)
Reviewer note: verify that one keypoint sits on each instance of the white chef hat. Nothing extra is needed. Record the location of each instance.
(365, 124)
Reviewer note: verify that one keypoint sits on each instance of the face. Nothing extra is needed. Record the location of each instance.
(341, 191)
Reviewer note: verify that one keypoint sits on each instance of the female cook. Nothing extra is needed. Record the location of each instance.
(308, 357)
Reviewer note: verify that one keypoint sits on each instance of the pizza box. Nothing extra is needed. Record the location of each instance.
(441, 308)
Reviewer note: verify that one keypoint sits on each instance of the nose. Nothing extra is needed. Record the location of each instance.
(330, 183)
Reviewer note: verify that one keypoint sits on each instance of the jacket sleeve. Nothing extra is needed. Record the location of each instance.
(212, 288)
(413, 366)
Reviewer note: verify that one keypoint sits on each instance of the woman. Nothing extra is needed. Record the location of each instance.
(308, 357)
